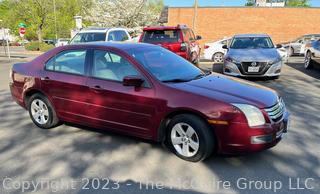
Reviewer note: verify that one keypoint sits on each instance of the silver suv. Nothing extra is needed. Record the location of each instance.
(252, 55)
(101, 35)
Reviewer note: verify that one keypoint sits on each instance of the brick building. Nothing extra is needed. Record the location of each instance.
(282, 24)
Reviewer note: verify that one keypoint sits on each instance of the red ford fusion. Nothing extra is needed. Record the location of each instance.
(146, 91)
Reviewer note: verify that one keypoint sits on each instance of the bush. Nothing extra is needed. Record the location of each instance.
(45, 47)
(35, 46)
(32, 46)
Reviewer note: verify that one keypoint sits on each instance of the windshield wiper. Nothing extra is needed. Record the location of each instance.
(201, 75)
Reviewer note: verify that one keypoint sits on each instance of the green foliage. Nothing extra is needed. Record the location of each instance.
(250, 3)
(298, 3)
(32, 46)
(36, 46)
(45, 47)
(39, 16)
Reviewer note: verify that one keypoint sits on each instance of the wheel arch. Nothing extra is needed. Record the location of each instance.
(30, 93)
(166, 120)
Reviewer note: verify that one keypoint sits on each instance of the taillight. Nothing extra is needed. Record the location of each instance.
(183, 46)
(206, 46)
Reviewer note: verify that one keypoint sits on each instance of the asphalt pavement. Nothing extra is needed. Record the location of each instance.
(75, 159)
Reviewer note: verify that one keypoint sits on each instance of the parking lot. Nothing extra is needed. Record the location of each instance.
(79, 155)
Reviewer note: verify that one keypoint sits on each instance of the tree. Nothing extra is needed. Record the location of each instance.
(38, 15)
(125, 13)
(250, 3)
(298, 3)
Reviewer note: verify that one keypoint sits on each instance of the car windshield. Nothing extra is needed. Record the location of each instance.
(165, 65)
(161, 36)
(251, 43)
(88, 37)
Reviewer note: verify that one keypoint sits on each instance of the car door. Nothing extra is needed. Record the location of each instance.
(317, 50)
(113, 105)
(194, 45)
(64, 81)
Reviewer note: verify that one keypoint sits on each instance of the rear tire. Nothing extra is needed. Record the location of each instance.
(42, 112)
(308, 62)
(190, 138)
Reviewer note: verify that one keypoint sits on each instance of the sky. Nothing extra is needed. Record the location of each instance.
(188, 3)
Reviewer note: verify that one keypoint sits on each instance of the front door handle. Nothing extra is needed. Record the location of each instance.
(45, 78)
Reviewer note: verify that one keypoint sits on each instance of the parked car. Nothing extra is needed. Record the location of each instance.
(49, 41)
(131, 88)
(214, 51)
(252, 55)
(312, 55)
(297, 47)
(62, 42)
(101, 35)
(179, 39)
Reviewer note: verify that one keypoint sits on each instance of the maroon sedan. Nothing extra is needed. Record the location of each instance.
(149, 92)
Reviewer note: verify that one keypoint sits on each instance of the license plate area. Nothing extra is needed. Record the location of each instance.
(253, 69)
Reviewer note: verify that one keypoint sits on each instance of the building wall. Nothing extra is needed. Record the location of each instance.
(282, 24)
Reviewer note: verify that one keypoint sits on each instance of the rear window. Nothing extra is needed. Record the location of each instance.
(161, 36)
(88, 37)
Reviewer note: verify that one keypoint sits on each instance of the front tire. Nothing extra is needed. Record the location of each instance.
(218, 57)
(308, 62)
(291, 52)
(42, 112)
(190, 138)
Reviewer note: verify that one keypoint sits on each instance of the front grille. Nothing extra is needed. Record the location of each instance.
(276, 112)
(262, 68)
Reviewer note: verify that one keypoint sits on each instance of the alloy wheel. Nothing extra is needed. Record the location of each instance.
(307, 60)
(218, 58)
(39, 111)
(185, 139)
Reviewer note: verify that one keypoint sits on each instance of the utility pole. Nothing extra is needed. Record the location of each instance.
(195, 13)
(55, 18)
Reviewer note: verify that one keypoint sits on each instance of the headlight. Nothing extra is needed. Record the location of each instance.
(229, 59)
(253, 114)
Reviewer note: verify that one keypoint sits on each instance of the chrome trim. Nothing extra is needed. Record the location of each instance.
(276, 112)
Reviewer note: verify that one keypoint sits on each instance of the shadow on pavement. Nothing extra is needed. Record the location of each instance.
(67, 152)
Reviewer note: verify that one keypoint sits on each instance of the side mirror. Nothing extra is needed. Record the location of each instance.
(132, 81)
(278, 46)
(198, 37)
(225, 46)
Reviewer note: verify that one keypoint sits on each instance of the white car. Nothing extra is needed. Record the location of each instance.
(214, 51)
(62, 42)
(283, 52)
(101, 35)
(297, 47)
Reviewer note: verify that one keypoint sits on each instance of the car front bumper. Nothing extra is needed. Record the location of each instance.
(239, 138)
(232, 69)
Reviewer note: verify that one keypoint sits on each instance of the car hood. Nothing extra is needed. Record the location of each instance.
(258, 55)
(230, 90)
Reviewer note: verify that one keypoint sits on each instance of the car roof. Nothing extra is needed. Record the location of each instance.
(250, 35)
(98, 29)
(311, 35)
(117, 45)
(178, 27)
